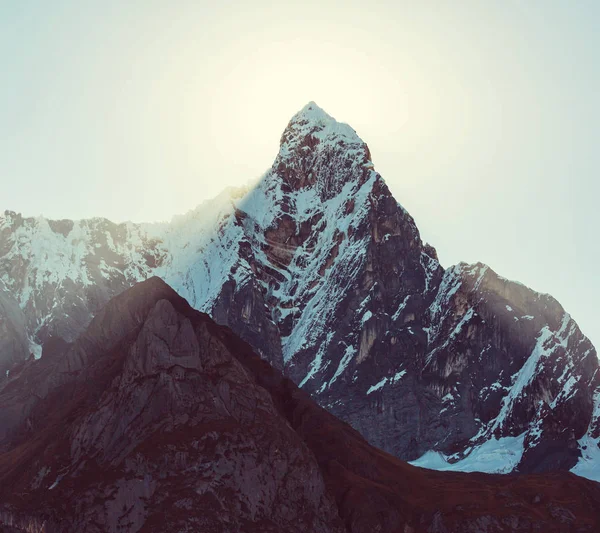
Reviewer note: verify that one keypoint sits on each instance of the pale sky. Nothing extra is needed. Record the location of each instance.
(483, 117)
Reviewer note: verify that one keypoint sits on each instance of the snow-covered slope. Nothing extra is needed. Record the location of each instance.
(514, 365)
(324, 273)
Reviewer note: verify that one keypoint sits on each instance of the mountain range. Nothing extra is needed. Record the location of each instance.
(324, 274)
(157, 419)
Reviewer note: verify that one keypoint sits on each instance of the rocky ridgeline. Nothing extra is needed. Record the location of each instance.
(320, 269)
(157, 419)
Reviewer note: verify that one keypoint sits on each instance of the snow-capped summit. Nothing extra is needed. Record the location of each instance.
(313, 120)
(322, 271)
(314, 144)
(312, 111)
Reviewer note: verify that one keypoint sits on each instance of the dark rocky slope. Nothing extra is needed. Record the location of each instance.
(14, 343)
(147, 422)
(156, 418)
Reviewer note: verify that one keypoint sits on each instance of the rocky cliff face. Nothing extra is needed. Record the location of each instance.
(14, 341)
(148, 421)
(157, 419)
(325, 275)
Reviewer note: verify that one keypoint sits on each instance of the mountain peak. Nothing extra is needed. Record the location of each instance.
(314, 123)
(313, 111)
(314, 143)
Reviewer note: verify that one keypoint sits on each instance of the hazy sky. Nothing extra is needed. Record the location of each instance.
(483, 117)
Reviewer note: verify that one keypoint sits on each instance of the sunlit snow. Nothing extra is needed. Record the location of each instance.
(496, 456)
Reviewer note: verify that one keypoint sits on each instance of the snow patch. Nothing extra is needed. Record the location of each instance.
(401, 307)
(349, 353)
(496, 456)
(546, 342)
(396, 377)
(35, 349)
(588, 465)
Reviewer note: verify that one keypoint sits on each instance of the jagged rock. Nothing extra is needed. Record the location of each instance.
(167, 421)
(155, 424)
(325, 274)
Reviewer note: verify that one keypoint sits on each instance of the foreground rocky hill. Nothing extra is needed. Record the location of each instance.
(158, 419)
(320, 269)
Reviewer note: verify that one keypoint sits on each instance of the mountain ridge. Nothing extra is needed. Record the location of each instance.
(172, 421)
(324, 273)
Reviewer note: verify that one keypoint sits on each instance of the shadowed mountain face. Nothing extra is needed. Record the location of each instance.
(322, 271)
(158, 419)
(14, 342)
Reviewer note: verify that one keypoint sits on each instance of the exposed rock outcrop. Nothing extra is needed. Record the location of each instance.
(14, 345)
(157, 419)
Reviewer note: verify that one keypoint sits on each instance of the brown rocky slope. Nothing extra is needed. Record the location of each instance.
(157, 418)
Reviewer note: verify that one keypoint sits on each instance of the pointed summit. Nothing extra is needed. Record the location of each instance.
(314, 122)
(312, 112)
(314, 139)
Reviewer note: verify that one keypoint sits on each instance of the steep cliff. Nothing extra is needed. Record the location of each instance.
(319, 268)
